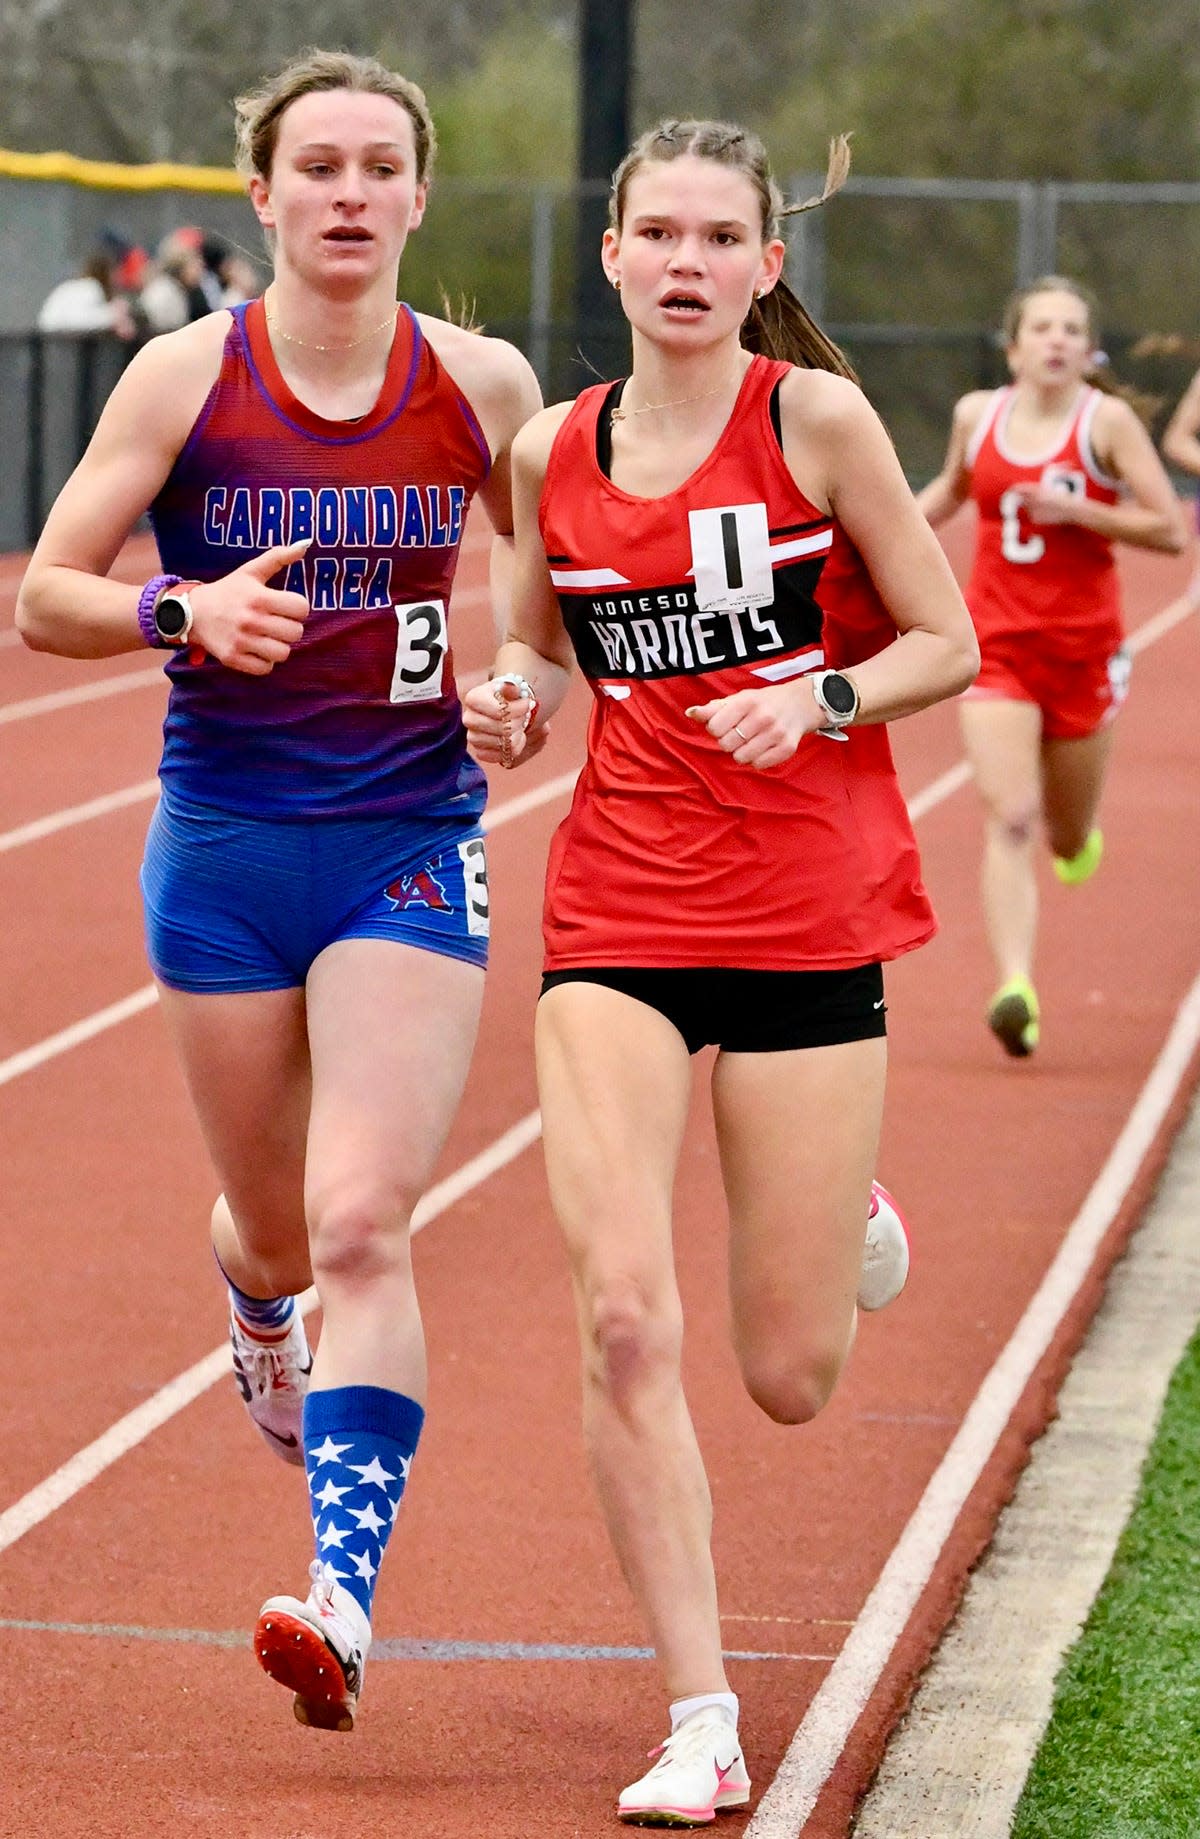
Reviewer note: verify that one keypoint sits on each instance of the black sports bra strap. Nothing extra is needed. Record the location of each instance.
(604, 427)
(777, 414)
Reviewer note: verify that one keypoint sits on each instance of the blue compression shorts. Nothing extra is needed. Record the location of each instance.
(243, 903)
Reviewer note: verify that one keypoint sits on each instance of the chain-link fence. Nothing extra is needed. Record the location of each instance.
(910, 276)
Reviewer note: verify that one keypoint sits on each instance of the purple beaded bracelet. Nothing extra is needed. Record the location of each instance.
(146, 604)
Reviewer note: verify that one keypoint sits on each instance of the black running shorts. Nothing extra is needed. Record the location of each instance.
(752, 1012)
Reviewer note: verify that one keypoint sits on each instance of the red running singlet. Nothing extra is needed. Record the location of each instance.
(1058, 580)
(673, 854)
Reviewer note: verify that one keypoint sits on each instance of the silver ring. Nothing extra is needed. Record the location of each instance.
(738, 730)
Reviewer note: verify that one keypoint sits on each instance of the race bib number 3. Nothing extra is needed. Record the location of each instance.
(731, 558)
(421, 646)
(475, 886)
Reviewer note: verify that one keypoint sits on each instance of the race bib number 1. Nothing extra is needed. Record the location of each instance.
(731, 558)
(421, 646)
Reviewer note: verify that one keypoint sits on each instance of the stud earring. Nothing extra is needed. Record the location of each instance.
(616, 281)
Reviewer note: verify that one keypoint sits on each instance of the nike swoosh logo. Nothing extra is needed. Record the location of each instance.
(878, 1005)
(289, 1442)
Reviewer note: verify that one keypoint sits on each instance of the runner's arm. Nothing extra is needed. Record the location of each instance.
(941, 498)
(1181, 442)
(65, 604)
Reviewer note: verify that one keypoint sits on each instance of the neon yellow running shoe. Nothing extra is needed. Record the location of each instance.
(1074, 869)
(1013, 1017)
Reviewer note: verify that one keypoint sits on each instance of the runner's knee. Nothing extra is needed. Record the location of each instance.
(634, 1345)
(1016, 820)
(358, 1233)
(791, 1385)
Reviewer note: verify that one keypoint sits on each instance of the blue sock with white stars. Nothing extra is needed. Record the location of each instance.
(358, 1449)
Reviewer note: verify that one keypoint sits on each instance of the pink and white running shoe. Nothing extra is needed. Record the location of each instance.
(885, 1255)
(698, 1770)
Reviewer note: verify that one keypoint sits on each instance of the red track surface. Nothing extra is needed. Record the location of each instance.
(112, 1294)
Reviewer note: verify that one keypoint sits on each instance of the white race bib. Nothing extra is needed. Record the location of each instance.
(421, 646)
(731, 558)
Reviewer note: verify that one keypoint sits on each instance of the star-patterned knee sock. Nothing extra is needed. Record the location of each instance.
(358, 1448)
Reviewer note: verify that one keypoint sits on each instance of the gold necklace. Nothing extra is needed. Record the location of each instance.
(290, 338)
(620, 414)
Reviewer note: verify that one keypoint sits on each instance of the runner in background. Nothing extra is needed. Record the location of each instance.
(315, 883)
(1059, 468)
(737, 860)
(1181, 446)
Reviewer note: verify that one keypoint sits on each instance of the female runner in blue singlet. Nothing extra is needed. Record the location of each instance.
(314, 881)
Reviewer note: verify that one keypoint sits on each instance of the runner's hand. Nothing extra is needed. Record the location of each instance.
(761, 728)
(498, 736)
(1046, 504)
(244, 623)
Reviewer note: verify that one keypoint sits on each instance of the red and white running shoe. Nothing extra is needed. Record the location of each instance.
(317, 1648)
(272, 1377)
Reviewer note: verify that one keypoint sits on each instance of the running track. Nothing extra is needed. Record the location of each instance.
(141, 1522)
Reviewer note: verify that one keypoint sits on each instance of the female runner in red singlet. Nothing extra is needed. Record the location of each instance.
(1059, 470)
(737, 860)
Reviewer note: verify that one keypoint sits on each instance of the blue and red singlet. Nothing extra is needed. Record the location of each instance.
(673, 854)
(363, 718)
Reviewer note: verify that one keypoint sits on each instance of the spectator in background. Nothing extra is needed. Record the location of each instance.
(230, 278)
(98, 298)
(176, 294)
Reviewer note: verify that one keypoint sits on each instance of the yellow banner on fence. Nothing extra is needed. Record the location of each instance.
(106, 175)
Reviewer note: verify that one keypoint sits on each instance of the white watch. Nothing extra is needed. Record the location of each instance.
(836, 695)
(173, 616)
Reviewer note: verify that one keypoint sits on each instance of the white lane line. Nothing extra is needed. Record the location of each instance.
(982, 1707)
(85, 692)
(78, 1032)
(525, 802)
(854, 1675)
(41, 827)
(123, 1436)
(939, 790)
(1153, 629)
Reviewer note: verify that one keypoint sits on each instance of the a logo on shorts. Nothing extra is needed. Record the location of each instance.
(422, 889)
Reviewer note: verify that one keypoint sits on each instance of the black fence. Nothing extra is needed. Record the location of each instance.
(52, 389)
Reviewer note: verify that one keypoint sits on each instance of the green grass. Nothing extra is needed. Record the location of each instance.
(1121, 1755)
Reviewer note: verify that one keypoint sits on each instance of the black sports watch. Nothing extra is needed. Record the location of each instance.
(173, 616)
(836, 695)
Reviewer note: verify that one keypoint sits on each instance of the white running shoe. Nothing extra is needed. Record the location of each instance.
(318, 1649)
(698, 1770)
(272, 1377)
(885, 1255)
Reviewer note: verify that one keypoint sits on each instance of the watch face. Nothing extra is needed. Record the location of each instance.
(838, 693)
(170, 616)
